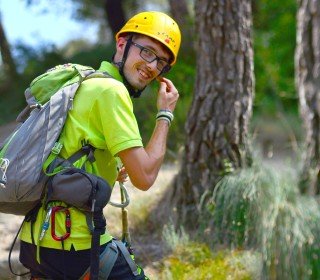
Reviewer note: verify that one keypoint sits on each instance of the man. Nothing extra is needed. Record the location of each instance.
(102, 115)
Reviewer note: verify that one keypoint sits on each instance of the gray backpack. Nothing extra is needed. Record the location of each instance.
(49, 97)
(31, 170)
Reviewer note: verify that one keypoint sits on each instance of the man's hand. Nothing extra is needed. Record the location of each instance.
(122, 175)
(167, 95)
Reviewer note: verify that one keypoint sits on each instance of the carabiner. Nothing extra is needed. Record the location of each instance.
(54, 210)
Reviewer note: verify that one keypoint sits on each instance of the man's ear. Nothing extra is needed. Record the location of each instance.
(121, 44)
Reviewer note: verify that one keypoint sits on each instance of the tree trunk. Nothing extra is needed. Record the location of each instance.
(180, 13)
(7, 60)
(217, 124)
(307, 62)
(115, 14)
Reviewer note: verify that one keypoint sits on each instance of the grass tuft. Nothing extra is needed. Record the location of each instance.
(197, 262)
(261, 209)
(174, 239)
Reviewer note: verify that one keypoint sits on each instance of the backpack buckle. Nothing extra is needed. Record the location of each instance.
(56, 148)
(4, 163)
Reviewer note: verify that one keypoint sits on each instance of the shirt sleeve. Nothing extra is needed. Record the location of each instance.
(114, 112)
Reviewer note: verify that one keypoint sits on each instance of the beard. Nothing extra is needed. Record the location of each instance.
(135, 76)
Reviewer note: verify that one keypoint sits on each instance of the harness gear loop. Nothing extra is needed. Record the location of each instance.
(110, 254)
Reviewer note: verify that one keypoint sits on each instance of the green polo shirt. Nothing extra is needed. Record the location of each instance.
(102, 114)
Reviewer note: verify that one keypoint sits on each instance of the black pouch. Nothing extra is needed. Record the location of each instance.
(80, 189)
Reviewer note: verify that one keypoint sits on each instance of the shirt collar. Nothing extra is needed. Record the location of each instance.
(111, 70)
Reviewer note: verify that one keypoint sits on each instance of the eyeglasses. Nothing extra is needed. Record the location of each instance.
(149, 56)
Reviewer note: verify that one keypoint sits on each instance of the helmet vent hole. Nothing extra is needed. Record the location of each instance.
(137, 26)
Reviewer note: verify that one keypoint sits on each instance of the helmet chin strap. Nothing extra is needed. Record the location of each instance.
(132, 91)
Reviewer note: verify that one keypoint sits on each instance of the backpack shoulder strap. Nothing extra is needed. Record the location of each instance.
(98, 74)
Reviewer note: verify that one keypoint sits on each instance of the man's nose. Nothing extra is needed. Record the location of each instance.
(153, 65)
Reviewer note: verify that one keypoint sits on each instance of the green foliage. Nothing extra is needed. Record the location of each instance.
(196, 261)
(262, 209)
(34, 62)
(30, 63)
(274, 24)
(94, 10)
(190, 259)
(173, 238)
(94, 55)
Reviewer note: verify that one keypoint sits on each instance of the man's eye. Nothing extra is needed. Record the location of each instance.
(162, 63)
(148, 53)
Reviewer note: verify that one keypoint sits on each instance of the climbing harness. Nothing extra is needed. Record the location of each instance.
(111, 252)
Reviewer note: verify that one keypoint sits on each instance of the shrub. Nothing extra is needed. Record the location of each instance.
(261, 209)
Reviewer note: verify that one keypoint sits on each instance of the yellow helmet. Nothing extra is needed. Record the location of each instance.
(158, 26)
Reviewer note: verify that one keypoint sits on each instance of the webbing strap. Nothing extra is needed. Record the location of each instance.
(10, 252)
(127, 256)
(46, 164)
(99, 223)
(107, 260)
(86, 150)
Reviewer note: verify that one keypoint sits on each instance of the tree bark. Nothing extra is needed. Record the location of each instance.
(115, 14)
(217, 123)
(180, 13)
(7, 59)
(307, 63)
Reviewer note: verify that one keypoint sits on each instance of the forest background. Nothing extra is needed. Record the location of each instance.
(276, 132)
(274, 27)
